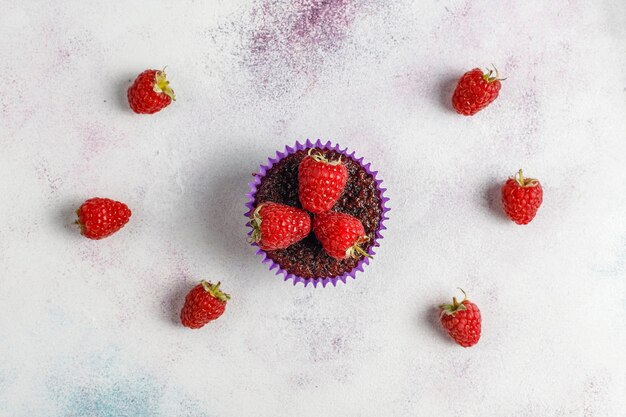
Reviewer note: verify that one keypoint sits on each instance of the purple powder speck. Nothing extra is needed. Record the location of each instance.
(289, 41)
(94, 139)
(322, 22)
(97, 138)
(44, 175)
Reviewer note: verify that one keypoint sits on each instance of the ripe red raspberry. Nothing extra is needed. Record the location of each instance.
(462, 321)
(101, 217)
(150, 92)
(204, 303)
(277, 226)
(475, 91)
(521, 198)
(340, 234)
(320, 182)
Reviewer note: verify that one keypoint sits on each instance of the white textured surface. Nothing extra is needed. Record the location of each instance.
(90, 328)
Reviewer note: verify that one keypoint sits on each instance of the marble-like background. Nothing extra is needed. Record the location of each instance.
(90, 328)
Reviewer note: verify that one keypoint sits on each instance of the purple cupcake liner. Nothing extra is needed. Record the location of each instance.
(364, 261)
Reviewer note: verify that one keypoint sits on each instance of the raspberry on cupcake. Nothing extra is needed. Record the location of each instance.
(322, 179)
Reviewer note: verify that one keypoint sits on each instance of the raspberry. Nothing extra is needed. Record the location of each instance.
(475, 91)
(462, 321)
(277, 226)
(150, 92)
(101, 217)
(521, 198)
(204, 303)
(320, 182)
(340, 234)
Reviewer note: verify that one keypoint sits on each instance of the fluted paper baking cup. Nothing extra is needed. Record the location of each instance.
(324, 281)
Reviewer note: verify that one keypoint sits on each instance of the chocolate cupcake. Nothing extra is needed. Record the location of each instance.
(363, 197)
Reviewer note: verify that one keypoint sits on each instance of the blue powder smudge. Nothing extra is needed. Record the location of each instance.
(3, 387)
(118, 399)
(618, 267)
(7, 376)
(139, 397)
(110, 387)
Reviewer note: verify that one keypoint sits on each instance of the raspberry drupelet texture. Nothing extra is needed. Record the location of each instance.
(204, 303)
(340, 234)
(101, 217)
(475, 91)
(462, 321)
(150, 92)
(278, 226)
(521, 198)
(321, 182)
